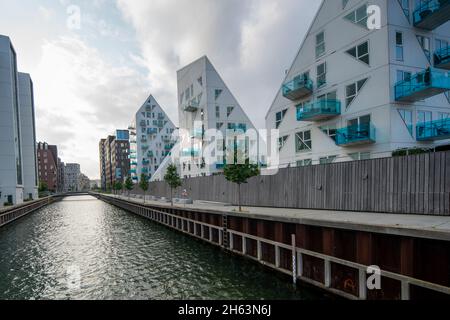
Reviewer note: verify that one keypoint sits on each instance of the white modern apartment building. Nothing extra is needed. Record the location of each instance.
(154, 138)
(72, 173)
(206, 105)
(16, 130)
(354, 92)
(28, 131)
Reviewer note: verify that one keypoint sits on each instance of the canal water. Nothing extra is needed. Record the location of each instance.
(83, 248)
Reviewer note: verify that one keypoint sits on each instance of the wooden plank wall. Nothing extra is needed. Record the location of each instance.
(417, 184)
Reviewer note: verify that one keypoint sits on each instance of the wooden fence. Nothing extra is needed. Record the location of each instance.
(418, 184)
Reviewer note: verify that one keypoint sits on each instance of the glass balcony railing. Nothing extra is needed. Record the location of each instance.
(297, 88)
(152, 131)
(192, 106)
(442, 58)
(433, 130)
(133, 171)
(319, 110)
(145, 147)
(422, 85)
(145, 162)
(431, 14)
(355, 135)
(144, 170)
(150, 154)
(168, 147)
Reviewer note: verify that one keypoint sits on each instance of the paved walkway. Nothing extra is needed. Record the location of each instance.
(432, 227)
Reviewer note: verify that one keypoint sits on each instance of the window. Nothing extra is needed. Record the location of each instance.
(360, 156)
(279, 117)
(424, 116)
(344, 4)
(330, 131)
(321, 74)
(403, 76)
(303, 141)
(405, 7)
(352, 90)
(219, 125)
(217, 112)
(407, 117)
(361, 52)
(229, 111)
(320, 44)
(304, 163)
(441, 44)
(444, 115)
(399, 46)
(361, 121)
(359, 16)
(327, 160)
(217, 93)
(425, 44)
(282, 142)
(200, 81)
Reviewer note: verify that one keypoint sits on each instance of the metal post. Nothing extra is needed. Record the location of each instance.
(327, 273)
(231, 242)
(362, 284)
(277, 256)
(300, 264)
(210, 234)
(294, 260)
(259, 248)
(221, 237)
(202, 231)
(244, 245)
(405, 291)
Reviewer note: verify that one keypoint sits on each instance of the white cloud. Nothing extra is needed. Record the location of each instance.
(81, 98)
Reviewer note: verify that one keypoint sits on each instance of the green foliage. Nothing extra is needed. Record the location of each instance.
(129, 184)
(118, 186)
(43, 187)
(172, 177)
(143, 184)
(409, 152)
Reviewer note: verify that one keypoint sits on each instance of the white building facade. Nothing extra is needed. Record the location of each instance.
(28, 130)
(11, 168)
(206, 105)
(356, 93)
(72, 173)
(154, 139)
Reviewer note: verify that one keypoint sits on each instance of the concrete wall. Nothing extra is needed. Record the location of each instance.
(416, 184)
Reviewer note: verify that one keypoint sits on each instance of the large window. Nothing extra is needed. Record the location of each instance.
(359, 16)
(361, 52)
(320, 44)
(399, 46)
(321, 74)
(444, 115)
(360, 121)
(303, 141)
(352, 90)
(405, 7)
(279, 117)
(282, 142)
(357, 156)
(403, 75)
(304, 163)
(407, 117)
(217, 112)
(425, 44)
(424, 116)
(327, 160)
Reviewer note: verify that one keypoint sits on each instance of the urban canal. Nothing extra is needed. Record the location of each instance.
(83, 248)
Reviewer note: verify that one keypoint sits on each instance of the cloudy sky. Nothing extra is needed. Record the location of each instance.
(91, 80)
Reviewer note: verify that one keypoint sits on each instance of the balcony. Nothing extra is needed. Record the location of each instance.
(422, 85)
(144, 170)
(145, 162)
(134, 163)
(433, 130)
(431, 14)
(145, 147)
(356, 135)
(150, 154)
(442, 58)
(168, 147)
(152, 131)
(192, 106)
(297, 89)
(319, 110)
(133, 171)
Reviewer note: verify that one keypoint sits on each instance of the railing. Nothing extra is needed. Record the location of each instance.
(427, 14)
(433, 130)
(192, 106)
(357, 134)
(13, 214)
(442, 56)
(422, 85)
(216, 235)
(322, 109)
(150, 154)
(297, 88)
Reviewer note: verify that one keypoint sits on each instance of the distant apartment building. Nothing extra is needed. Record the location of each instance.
(60, 176)
(154, 138)
(28, 130)
(114, 156)
(72, 172)
(17, 127)
(84, 183)
(47, 157)
(206, 103)
(133, 152)
(355, 92)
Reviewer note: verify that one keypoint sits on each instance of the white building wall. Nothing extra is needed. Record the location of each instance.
(198, 82)
(155, 142)
(376, 97)
(28, 129)
(10, 139)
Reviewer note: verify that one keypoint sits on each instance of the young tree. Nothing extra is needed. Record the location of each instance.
(173, 179)
(240, 173)
(143, 184)
(129, 185)
(118, 186)
(43, 187)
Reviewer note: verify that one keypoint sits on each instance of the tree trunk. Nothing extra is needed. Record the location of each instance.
(144, 196)
(171, 197)
(239, 197)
